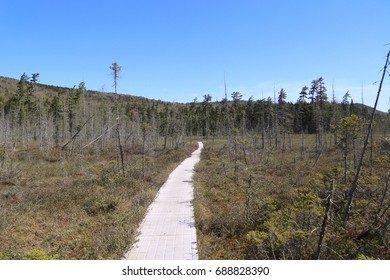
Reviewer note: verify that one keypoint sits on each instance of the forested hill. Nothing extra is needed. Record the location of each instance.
(55, 114)
(9, 86)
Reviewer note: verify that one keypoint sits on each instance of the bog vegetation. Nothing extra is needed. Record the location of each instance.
(78, 169)
(290, 181)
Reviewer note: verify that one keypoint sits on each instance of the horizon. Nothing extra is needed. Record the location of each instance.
(198, 100)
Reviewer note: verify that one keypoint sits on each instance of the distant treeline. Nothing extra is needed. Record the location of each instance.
(53, 115)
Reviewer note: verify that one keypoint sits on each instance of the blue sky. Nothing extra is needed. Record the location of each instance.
(179, 50)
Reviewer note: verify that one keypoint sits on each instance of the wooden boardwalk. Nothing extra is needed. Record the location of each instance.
(168, 229)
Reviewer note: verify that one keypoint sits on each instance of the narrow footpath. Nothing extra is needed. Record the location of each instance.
(168, 229)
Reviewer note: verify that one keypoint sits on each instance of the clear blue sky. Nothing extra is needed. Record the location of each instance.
(178, 50)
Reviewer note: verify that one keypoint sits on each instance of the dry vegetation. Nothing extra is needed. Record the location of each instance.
(78, 169)
(76, 205)
(273, 207)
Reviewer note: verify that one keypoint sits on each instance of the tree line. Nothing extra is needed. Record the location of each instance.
(52, 119)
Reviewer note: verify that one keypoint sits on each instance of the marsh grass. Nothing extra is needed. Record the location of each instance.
(274, 206)
(77, 206)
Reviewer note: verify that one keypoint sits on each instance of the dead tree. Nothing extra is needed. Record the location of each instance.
(116, 69)
(366, 140)
(325, 221)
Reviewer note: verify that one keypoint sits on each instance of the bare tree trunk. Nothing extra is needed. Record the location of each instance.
(120, 146)
(75, 135)
(357, 175)
(371, 154)
(165, 136)
(97, 138)
(116, 69)
(248, 198)
(262, 137)
(235, 133)
(346, 160)
(144, 128)
(325, 221)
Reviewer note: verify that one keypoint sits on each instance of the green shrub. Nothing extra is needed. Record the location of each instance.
(37, 254)
(101, 205)
(362, 257)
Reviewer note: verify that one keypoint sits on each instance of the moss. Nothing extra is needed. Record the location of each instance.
(362, 257)
(37, 254)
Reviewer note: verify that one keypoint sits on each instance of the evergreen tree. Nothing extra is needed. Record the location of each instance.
(303, 94)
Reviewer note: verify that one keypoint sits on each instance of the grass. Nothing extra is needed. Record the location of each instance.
(77, 206)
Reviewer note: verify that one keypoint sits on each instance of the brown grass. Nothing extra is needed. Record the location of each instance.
(227, 226)
(77, 206)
